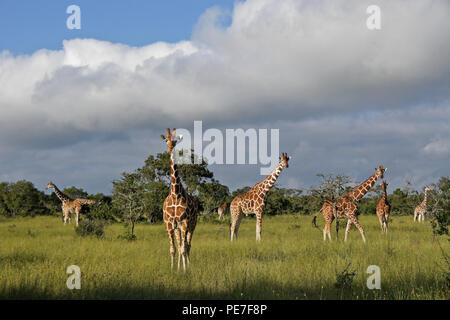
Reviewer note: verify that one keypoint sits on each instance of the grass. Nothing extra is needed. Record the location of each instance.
(291, 262)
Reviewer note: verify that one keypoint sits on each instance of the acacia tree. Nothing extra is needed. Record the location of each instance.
(22, 199)
(4, 190)
(331, 187)
(142, 193)
(439, 207)
(212, 195)
(128, 198)
(193, 175)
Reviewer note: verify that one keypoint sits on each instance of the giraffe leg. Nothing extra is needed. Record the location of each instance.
(77, 212)
(328, 227)
(384, 223)
(415, 216)
(66, 215)
(188, 245)
(326, 230)
(337, 229)
(356, 223)
(236, 218)
(258, 226)
(347, 229)
(170, 232)
(329, 217)
(183, 244)
(178, 242)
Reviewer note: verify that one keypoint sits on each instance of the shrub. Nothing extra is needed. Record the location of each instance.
(344, 279)
(128, 234)
(90, 227)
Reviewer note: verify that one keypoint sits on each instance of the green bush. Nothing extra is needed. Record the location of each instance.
(90, 227)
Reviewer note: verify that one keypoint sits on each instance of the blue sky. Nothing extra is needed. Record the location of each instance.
(26, 26)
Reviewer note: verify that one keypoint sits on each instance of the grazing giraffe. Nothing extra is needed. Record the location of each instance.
(180, 209)
(254, 200)
(68, 204)
(347, 206)
(384, 209)
(421, 210)
(223, 209)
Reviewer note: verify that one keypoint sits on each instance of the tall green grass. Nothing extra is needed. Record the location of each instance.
(291, 262)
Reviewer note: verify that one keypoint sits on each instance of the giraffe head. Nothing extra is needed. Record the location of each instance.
(49, 185)
(427, 188)
(380, 171)
(171, 139)
(284, 160)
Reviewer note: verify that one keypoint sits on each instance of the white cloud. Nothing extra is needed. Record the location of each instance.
(438, 147)
(277, 59)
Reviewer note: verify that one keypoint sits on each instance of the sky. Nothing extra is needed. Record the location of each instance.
(79, 107)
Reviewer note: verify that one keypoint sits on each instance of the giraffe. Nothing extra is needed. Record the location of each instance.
(180, 209)
(254, 200)
(421, 210)
(384, 209)
(223, 209)
(68, 204)
(347, 206)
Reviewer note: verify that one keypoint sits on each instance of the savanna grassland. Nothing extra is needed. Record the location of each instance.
(291, 262)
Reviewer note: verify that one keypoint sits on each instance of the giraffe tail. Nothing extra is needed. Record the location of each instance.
(314, 221)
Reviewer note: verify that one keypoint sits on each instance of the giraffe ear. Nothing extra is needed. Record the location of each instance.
(289, 158)
(163, 137)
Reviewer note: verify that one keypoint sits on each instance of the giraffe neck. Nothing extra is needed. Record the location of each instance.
(175, 183)
(425, 199)
(384, 194)
(269, 181)
(359, 191)
(61, 195)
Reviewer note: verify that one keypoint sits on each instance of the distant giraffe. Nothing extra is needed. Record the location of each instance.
(223, 209)
(180, 209)
(347, 206)
(254, 200)
(68, 204)
(384, 208)
(421, 210)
